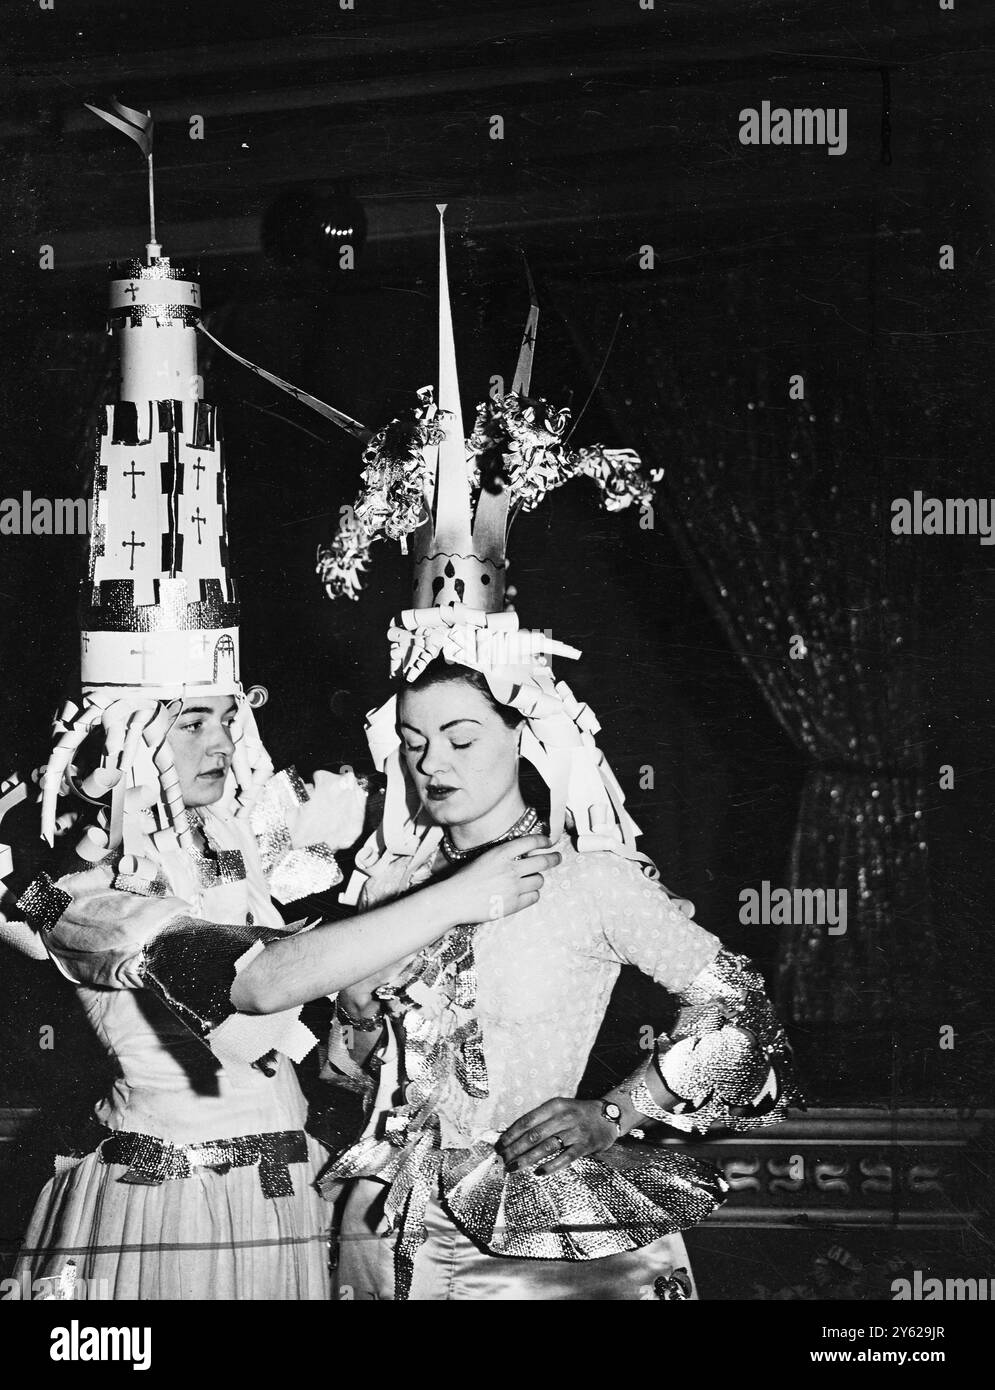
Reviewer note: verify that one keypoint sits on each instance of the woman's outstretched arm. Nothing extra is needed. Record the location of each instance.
(295, 969)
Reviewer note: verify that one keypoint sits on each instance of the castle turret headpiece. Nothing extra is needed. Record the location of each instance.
(158, 606)
(159, 609)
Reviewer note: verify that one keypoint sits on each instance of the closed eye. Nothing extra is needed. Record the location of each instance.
(462, 745)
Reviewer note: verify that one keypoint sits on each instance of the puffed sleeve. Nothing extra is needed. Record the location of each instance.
(95, 934)
(642, 925)
(104, 937)
(299, 826)
(727, 1057)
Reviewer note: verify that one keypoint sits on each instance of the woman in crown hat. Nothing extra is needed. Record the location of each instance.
(480, 1174)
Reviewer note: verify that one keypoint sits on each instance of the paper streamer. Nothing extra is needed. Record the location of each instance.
(344, 422)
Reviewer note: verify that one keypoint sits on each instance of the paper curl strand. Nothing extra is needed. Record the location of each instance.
(136, 759)
(391, 503)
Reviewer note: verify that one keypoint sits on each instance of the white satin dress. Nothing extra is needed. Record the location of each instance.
(153, 960)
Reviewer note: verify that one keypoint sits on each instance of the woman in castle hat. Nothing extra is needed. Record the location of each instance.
(162, 911)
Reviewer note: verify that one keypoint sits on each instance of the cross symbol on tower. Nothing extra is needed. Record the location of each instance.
(134, 546)
(134, 473)
(144, 652)
(199, 468)
(203, 640)
(198, 521)
(86, 641)
(132, 289)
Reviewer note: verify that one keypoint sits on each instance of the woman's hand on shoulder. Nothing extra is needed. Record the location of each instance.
(503, 880)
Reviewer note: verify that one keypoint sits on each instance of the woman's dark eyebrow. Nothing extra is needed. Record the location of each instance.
(404, 725)
(206, 709)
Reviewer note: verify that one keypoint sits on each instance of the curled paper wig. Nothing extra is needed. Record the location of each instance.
(136, 766)
(558, 739)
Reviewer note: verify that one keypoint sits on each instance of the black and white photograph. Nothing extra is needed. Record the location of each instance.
(497, 615)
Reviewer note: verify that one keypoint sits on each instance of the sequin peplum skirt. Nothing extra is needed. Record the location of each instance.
(449, 1267)
(209, 1233)
(629, 1198)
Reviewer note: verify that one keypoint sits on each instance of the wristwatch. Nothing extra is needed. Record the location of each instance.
(612, 1112)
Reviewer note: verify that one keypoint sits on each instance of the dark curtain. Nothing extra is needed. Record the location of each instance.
(782, 510)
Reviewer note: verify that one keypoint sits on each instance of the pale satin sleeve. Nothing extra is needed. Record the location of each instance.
(641, 925)
(96, 934)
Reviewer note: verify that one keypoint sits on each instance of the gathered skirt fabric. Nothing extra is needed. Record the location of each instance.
(449, 1267)
(208, 1236)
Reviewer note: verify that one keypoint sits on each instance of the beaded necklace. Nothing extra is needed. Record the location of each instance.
(528, 823)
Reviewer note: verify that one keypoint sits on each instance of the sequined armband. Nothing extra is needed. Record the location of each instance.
(43, 903)
(190, 965)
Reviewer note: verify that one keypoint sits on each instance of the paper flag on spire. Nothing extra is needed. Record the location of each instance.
(138, 126)
(523, 372)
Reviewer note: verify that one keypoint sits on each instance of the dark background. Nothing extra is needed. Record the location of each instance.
(621, 130)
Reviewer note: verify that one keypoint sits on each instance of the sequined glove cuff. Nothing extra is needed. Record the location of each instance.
(642, 1099)
(727, 1059)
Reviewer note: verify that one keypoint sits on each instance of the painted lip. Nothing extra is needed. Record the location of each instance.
(216, 774)
(439, 793)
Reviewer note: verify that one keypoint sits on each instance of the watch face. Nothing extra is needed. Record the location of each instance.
(611, 1111)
